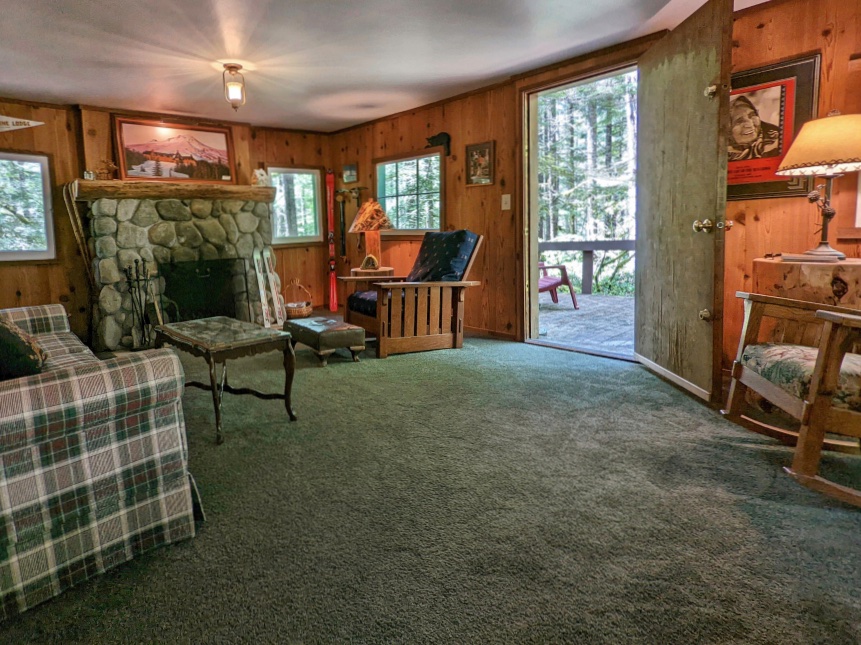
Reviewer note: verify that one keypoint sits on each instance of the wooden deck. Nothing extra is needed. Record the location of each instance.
(603, 324)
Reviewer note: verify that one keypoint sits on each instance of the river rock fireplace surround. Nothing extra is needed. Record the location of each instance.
(170, 223)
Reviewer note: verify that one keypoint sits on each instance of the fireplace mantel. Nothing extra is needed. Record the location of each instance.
(90, 190)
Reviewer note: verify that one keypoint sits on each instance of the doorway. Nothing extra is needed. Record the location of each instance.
(582, 161)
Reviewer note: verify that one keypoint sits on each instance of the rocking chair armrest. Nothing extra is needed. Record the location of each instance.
(789, 303)
(396, 285)
(847, 320)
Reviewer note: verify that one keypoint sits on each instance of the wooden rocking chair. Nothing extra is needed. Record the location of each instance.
(799, 356)
(423, 310)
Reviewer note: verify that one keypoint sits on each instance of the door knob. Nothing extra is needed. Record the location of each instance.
(706, 315)
(727, 224)
(704, 226)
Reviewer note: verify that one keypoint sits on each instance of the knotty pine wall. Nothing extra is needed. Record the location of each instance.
(767, 34)
(62, 280)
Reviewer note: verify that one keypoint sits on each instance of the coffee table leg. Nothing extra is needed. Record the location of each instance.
(217, 396)
(289, 368)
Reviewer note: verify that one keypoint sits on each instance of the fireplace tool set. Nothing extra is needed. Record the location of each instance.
(140, 285)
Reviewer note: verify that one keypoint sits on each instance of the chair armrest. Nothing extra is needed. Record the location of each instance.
(803, 305)
(47, 406)
(398, 285)
(847, 320)
(368, 278)
(43, 319)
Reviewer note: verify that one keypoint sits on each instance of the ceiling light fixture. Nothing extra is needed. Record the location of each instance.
(234, 85)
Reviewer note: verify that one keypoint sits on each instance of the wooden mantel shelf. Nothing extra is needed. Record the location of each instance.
(90, 190)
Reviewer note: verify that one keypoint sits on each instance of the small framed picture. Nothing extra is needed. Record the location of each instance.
(351, 173)
(479, 163)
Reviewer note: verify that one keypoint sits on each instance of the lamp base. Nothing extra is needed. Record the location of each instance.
(822, 253)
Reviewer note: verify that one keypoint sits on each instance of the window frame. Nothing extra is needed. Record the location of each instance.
(304, 240)
(417, 233)
(50, 253)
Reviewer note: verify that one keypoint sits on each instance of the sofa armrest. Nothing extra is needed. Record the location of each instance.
(46, 406)
(44, 319)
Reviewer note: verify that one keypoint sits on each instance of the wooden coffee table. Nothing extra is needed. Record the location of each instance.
(220, 338)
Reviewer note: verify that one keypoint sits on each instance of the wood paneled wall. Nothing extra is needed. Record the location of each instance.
(62, 280)
(771, 33)
(292, 149)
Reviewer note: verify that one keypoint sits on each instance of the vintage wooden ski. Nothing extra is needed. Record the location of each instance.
(274, 287)
(330, 209)
(341, 197)
(260, 270)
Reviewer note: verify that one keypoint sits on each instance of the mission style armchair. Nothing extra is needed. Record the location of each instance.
(800, 357)
(423, 310)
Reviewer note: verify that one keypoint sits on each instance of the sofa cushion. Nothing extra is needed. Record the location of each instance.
(790, 367)
(20, 354)
(443, 256)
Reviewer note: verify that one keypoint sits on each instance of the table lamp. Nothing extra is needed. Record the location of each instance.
(370, 220)
(828, 148)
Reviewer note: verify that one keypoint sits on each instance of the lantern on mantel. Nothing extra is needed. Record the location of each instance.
(234, 85)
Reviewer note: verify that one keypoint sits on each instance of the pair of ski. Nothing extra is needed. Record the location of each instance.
(265, 269)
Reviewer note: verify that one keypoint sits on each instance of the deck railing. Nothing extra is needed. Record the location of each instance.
(588, 249)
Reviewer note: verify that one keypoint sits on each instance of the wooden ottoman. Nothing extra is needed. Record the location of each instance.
(325, 335)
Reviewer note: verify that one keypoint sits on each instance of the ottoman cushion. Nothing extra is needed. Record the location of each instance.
(323, 334)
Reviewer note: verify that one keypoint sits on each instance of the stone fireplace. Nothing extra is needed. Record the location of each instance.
(169, 223)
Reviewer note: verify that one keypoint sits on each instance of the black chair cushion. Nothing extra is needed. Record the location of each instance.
(443, 256)
(20, 355)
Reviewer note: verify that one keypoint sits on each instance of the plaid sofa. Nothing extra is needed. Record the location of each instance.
(93, 462)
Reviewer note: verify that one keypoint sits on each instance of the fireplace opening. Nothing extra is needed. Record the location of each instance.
(199, 289)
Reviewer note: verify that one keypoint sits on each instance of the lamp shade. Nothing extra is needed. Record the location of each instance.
(371, 217)
(827, 146)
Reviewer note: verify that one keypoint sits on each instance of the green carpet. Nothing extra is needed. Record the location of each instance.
(502, 493)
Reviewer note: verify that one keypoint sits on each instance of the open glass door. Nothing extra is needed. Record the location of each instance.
(681, 179)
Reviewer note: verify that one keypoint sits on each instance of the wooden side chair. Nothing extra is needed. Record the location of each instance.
(423, 310)
(800, 357)
(551, 283)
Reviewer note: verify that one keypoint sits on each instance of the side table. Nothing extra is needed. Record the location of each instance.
(381, 272)
(220, 338)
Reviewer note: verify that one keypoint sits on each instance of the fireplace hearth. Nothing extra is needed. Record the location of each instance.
(183, 238)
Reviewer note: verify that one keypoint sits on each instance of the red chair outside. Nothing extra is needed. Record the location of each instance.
(551, 282)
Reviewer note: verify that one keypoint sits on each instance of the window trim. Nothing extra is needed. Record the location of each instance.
(50, 253)
(416, 233)
(303, 240)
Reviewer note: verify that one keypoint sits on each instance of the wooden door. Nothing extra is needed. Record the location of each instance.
(681, 177)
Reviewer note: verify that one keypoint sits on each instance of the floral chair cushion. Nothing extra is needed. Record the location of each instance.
(790, 367)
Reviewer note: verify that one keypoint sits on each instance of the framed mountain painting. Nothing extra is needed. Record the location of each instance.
(161, 151)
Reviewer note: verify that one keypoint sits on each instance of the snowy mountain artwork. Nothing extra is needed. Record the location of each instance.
(174, 152)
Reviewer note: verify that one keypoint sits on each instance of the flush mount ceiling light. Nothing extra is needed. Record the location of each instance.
(234, 85)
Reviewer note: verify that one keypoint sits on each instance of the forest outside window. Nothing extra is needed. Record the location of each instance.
(297, 215)
(26, 220)
(410, 191)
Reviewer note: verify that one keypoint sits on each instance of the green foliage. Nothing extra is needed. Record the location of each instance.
(409, 192)
(586, 172)
(22, 207)
(295, 212)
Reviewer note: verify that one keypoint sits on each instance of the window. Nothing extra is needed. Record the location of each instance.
(296, 214)
(410, 191)
(26, 220)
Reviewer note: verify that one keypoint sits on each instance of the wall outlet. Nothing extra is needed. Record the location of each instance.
(506, 202)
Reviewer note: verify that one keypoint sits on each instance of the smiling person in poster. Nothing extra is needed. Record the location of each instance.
(750, 136)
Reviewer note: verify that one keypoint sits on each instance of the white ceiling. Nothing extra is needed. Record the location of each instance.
(312, 64)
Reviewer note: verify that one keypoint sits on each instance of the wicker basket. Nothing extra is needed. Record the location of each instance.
(298, 309)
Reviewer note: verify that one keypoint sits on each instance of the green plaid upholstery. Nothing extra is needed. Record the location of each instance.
(93, 464)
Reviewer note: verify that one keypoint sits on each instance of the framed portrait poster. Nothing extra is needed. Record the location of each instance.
(479, 163)
(768, 106)
(160, 151)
